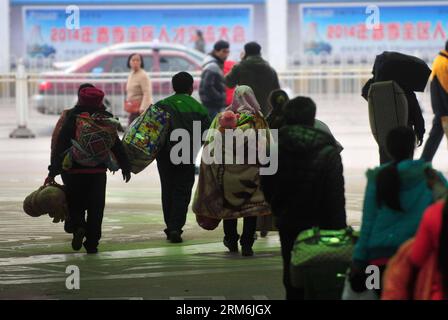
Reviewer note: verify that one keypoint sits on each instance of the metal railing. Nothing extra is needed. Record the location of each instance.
(52, 92)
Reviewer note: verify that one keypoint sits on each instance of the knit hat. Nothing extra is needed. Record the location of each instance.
(252, 49)
(91, 97)
(300, 110)
(221, 44)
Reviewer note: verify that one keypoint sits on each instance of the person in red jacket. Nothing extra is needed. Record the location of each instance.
(228, 65)
(432, 239)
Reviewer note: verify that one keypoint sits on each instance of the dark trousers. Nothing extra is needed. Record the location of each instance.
(433, 142)
(287, 239)
(247, 237)
(177, 182)
(86, 192)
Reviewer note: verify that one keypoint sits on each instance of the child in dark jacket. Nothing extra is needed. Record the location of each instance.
(85, 185)
(308, 160)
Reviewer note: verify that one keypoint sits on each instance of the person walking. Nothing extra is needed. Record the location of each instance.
(256, 73)
(396, 76)
(138, 87)
(229, 191)
(85, 183)
(309, 160)
(396, 196)
(177, 177)
(439, 103)
(199, 44)
(212, 90)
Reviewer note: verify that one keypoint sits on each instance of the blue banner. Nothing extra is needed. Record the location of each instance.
(46, 32)
(343, 29)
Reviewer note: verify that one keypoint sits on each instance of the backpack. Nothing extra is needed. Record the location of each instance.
(95, 135)
(388, 109)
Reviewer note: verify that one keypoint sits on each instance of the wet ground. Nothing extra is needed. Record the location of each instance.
(135, 260)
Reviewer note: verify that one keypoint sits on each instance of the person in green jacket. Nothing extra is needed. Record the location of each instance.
(176, 165)
(255, 72)
(396, 196)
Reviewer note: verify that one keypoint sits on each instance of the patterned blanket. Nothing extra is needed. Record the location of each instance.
(229, 191)
(145, 137)
(95, 136)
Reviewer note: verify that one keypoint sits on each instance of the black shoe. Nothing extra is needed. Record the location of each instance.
(90, 250)
(167, 234)
(232, 246)
(78, 238)
(174, 237)
(247, 251)
(263, 234)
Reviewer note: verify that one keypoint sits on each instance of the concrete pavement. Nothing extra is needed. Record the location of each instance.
(135, 261)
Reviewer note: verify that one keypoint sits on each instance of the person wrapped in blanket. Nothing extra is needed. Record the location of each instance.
(232, 190)
(84, 145)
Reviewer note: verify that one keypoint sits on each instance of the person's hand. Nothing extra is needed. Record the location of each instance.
(419, 141)
(126, 175)
(49, 180)
(419, 135)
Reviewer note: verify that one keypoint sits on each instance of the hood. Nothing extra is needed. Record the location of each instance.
(299, 139)
(411, 172)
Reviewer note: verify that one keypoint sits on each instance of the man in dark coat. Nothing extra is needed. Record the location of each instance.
(177, 177)
(439, 102)
(308, 188)
(212, 89)
(256, 73)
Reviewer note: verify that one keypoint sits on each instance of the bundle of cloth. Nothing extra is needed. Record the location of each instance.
(145, 137)
(229, 189)
(49, 199)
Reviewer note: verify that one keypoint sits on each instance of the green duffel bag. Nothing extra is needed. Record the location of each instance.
(145, 137)
(319, 261)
